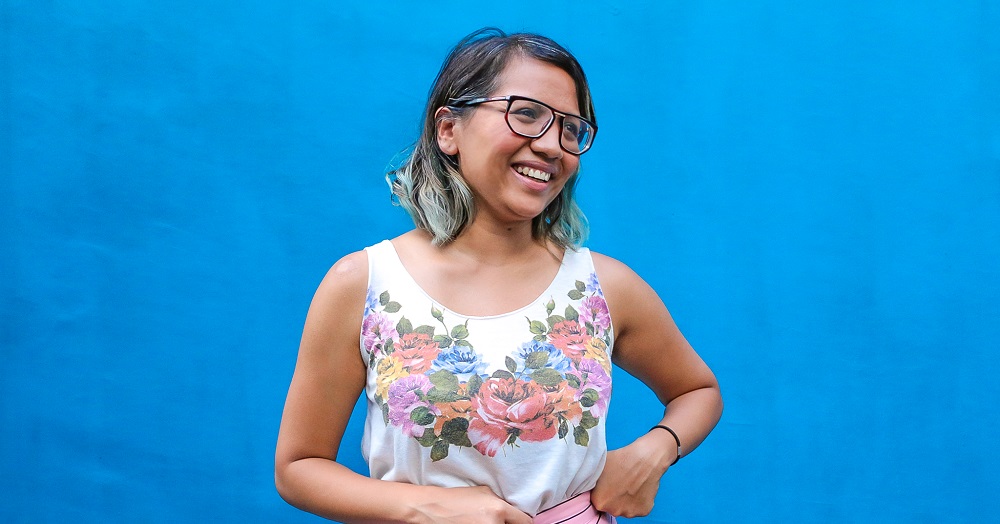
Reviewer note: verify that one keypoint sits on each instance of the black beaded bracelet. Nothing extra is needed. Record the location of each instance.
(676, 438)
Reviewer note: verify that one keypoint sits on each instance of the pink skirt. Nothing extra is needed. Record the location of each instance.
(577, 510)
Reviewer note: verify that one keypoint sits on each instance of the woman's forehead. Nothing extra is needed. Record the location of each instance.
(540, 80)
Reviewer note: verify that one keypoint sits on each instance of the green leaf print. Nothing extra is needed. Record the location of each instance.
(385, 413)
(443, 341)
(444, 380)
(580, 286)
(580, 436)
(422, 416)
(588, 421)
(393, 307)
(456, 431)
(537, 327)
(464, 343)
(404, 326)
(571, 314)
(383, 299)
(589, 398)
(553, 320)
(500, 373)
(575, 295)
(563, 428)
(536, 360)
(460, 332)
(472, 386)
(573, 381)
(439, 450)
(427, 439)
(425, 330)
(547, 377)
(511, 364)
(437, 395)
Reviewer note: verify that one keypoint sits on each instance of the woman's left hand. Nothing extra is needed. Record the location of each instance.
(627, 487)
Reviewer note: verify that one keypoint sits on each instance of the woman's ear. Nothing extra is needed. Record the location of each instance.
(444, 125)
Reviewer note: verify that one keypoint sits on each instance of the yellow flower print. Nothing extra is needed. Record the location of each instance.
(390, 369)
(597, 349)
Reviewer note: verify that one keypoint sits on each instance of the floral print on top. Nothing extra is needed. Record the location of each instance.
(434, 386)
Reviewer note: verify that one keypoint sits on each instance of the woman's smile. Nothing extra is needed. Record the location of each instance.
(534, 171)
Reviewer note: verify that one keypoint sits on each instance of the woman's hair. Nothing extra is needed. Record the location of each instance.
(428, 183)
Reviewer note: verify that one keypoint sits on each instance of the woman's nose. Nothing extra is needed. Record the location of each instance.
(548, 143)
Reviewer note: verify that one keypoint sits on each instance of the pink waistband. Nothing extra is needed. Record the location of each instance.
(577, 510)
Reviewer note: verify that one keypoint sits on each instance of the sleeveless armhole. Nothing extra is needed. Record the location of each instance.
(597, 281)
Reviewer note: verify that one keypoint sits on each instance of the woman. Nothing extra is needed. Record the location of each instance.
(483, 339)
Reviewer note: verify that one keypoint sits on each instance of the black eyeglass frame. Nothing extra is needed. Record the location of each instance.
(510, 99)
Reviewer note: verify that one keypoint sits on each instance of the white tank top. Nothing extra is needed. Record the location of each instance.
(516, 402)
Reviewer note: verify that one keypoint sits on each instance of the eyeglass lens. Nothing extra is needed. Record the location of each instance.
(530, 119)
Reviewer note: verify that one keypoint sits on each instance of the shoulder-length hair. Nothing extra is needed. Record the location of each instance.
(428, 184)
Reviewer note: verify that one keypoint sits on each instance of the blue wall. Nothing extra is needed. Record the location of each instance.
(813, 188)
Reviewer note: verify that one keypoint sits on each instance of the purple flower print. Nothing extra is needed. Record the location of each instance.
(405, 397)
(376, 329)
(595, 310)
(592, 376)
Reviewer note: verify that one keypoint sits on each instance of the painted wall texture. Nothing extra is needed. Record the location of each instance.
(812, 187)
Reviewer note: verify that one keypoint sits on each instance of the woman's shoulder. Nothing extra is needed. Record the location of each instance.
(355, 265)
(612, 271)
(347, 275)
(351, 265)
(352, 269)
(622, 285)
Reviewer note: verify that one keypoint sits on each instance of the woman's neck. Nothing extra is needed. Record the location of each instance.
(494, 243)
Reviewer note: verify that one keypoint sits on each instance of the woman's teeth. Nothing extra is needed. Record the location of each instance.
(533, 173)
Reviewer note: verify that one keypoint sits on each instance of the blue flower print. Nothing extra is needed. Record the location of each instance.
(556, 360)
(462, 361)
(371, 301)
(593, 286)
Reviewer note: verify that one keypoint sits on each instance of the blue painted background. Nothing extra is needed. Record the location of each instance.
(813, 188)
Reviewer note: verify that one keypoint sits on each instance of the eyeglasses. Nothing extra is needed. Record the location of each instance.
(530, 118)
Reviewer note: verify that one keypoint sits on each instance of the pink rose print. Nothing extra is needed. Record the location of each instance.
(569, 336)
(416, 351)
(405, 399)
(506, 406)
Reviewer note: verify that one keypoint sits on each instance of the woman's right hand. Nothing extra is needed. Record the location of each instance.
(475, 505)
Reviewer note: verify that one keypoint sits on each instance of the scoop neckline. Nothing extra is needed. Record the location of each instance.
(399, 262)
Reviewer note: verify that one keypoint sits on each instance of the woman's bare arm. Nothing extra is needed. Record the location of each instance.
(328, 380)
(649, 346)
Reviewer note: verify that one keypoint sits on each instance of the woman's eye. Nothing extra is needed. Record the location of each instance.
(526, 114)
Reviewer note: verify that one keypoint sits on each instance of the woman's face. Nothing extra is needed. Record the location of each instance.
(507, 172)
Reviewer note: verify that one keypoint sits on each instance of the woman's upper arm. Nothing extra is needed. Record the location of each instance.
(648, 344)
(329, 372)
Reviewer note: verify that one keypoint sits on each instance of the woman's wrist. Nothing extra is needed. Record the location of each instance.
(673, 437)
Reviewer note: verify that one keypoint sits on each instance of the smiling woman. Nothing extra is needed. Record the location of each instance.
(484, 339)
(430, 185)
